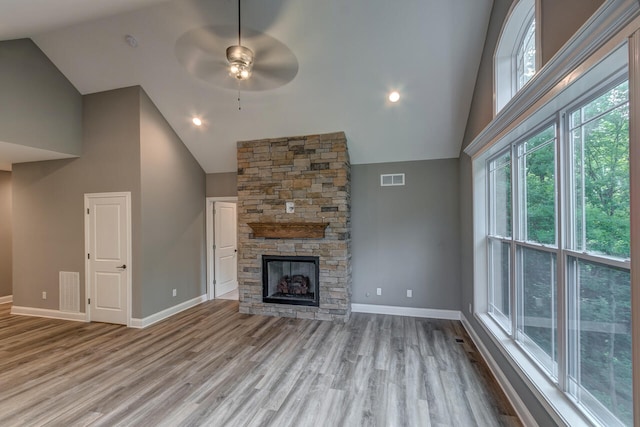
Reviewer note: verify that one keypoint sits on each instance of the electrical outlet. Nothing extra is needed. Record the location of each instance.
(378, 291)
(44, 295)
(409, 293)
(368, 294)
(175, 292)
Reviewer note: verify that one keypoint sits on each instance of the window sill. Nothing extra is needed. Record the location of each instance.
(559, 405)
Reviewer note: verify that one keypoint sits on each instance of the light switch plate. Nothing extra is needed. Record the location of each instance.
(290, 207)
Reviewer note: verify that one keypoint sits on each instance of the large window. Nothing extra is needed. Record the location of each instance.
(559, 231)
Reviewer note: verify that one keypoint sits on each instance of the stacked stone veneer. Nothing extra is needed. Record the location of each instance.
(313, 172)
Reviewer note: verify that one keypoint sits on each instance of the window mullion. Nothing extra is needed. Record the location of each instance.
(583, 211)
(563, 203)
(515, 234)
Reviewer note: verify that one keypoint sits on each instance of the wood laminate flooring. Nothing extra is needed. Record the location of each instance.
(212, 366)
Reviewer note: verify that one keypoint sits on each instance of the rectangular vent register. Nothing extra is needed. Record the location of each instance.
(391, 179)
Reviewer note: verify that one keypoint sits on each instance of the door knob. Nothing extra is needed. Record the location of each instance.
(122, 267)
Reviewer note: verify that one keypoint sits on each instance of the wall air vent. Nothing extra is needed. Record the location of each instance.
(69, 291)
(391, 179)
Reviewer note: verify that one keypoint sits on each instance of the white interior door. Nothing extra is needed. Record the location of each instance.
(225, 248)
(108, 257)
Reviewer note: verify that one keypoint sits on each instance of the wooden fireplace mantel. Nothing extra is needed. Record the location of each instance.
(289, 230)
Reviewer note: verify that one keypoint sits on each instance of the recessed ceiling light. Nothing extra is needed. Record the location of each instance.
(196, 121)
(394, 96)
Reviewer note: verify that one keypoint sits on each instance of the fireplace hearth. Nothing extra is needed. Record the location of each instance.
(290, 280)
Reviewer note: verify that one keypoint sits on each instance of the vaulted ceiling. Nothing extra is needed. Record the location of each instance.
(350, 54)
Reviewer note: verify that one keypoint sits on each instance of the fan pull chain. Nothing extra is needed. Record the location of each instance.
(239, 105)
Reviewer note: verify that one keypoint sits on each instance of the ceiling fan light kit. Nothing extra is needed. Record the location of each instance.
(240, 60)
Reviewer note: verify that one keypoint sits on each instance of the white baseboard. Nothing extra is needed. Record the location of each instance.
(6, 300)
(166, 313)
(50, 314)
(430, 313)
(517, 403)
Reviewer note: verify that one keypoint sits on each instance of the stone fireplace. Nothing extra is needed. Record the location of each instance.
(294, 215)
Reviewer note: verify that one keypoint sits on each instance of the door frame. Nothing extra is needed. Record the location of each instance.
(210, 228)
(87, 246)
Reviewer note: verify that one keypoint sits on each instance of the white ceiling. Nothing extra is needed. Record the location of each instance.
(350, 54)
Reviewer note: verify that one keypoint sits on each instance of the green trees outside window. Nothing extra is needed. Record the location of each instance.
(549, 242)
(600, 323)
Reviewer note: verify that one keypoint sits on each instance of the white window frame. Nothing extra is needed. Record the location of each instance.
(560, 405)
(505, 59)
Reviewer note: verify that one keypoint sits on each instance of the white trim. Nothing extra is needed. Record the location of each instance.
(429, 313)
(49, 314)
(559, 405)
(6, 300)
(168, 312)
(634, 181)
(87, 245)
(209, 231)
(538, 17)
(504, 383)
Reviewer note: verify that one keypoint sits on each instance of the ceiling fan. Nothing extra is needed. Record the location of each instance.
(240, 58)
(257, 62)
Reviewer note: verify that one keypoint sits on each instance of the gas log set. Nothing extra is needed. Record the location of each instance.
(293, 285)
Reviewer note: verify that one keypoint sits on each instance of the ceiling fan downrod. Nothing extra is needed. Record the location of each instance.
(240, 58)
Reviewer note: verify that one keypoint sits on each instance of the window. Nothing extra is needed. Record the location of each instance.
(526, 56)
(515, 57)
(538, 254)
(598, 252)
(499, 237)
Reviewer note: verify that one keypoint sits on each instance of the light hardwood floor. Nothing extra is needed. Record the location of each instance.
(212, 366)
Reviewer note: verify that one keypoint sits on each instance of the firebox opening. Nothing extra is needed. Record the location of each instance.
(290, 280)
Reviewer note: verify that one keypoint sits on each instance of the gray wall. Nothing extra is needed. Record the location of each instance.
(5, 234)
(554, 35)
(222, 184)
(127, 146)
(402, 237)
(48, 197)
(406, 237)
(173, 216)
(38, 106)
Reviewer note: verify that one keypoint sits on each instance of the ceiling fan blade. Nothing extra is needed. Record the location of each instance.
(202, 51)
(276, 72)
